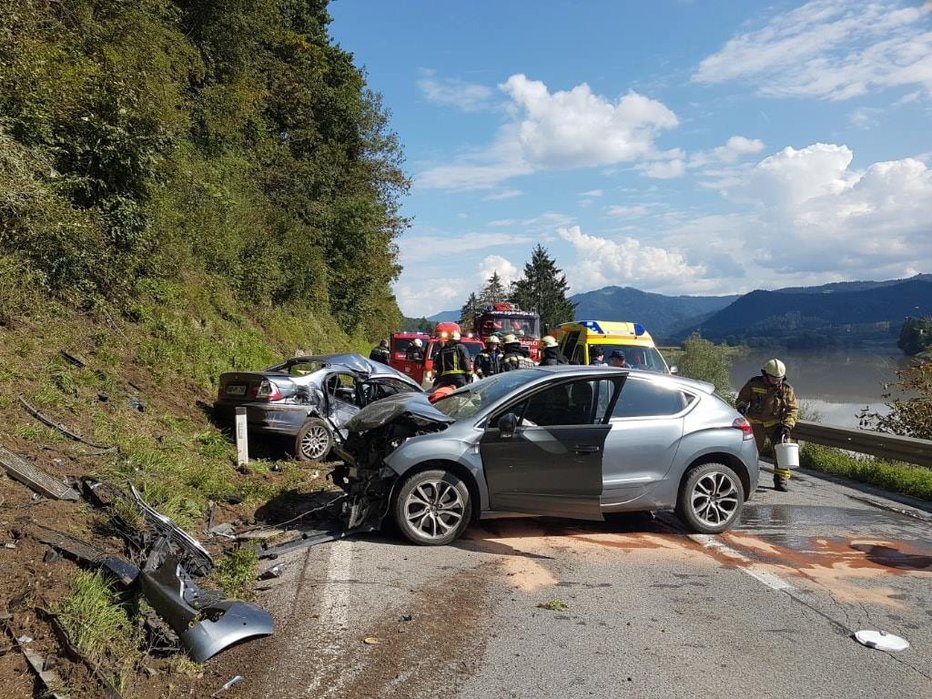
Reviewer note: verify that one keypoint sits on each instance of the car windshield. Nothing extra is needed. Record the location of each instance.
(467, 402)
(637, 356)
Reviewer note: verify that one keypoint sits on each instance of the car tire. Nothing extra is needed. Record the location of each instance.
(710, 498)
(313, 441)
(432, 508)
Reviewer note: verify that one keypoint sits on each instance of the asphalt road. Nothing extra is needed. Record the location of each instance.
(532, 607)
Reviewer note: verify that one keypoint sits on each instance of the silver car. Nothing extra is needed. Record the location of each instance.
(566, 441)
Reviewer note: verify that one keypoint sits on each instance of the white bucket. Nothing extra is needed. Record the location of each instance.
(787, 454)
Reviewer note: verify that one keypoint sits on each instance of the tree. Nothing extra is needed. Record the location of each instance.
(915, 335)
(543, 288)
(493, 292)
(911, 410)
(469, 311)
(706, 361)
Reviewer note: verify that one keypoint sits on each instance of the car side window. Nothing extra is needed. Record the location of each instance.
(342, 387)
(575, 403)
(644, 399)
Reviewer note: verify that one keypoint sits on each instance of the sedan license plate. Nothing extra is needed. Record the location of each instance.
(236, 389)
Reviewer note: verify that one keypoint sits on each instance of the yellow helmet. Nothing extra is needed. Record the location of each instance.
(548, 341)
(455, 336)
(775, 368)
(508, 339)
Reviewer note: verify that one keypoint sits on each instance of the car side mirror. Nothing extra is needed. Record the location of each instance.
(508, 425)
(674, 369)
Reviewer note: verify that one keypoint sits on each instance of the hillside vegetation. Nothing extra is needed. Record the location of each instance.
(186, 187)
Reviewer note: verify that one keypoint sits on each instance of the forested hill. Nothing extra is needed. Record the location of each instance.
(164, 149)
(833, 316)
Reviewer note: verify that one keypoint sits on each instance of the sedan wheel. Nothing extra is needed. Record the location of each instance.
(313, 441)
(433, 508)
(710, 499)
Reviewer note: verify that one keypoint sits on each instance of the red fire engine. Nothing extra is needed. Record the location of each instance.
(422, 370)
(507, 319)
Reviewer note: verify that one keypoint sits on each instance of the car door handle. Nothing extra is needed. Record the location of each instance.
(587, 449)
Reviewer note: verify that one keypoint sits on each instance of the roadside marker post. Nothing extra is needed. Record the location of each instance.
(242, 439)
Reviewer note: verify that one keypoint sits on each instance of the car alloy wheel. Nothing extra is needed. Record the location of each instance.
(313, 441)
(433, 507)
(710, 499)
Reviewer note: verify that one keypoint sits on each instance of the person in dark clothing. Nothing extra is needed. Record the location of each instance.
(489, 360)
(596, 356)
(514, 356)
(550, 352)
(617, 358)
(415, 351)
(453, 364)
(380, 353)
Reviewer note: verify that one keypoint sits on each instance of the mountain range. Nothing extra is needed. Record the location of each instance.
(836, 314)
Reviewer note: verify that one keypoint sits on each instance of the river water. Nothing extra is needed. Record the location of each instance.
(832, 386)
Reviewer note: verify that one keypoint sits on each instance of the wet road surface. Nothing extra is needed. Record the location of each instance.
(535, 607)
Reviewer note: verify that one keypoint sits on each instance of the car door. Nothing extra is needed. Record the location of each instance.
(552, 464)
(647, 425)
(341, 397)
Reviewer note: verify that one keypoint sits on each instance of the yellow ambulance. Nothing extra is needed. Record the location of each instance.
(630, 339)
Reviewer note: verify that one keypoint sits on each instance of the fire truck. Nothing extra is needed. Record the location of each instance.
(423, 371)
(507, 319)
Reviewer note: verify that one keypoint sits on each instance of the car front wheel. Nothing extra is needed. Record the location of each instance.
(710, 498)
(313, 441)
(433, 508)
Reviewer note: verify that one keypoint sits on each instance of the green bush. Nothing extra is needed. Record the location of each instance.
(706, 361)
(895, 476)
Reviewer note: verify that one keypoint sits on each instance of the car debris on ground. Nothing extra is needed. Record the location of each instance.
(102, 448)
(35, 478)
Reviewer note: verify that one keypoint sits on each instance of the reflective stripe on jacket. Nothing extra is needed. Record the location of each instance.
(453, 359)
(768, 405)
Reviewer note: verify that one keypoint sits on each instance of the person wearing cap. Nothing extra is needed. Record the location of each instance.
(596, 356)
(617, 359)
(550, 354)
(380, 353)
(769, 404)
(489, 360)
(453, 364)
(514, 355)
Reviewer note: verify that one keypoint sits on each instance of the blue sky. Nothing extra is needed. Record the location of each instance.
(678, 147)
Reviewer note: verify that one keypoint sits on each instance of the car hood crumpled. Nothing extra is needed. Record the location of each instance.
(382, 412)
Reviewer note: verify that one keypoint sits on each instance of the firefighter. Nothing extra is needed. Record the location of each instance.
(380, 353)
(453, 365)
(415, 351)
(769, 403)
(489, 360)
(514, 356)
(550, 352)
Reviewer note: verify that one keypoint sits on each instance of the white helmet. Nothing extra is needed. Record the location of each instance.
(548, 341)
(775, 368)
(417, 342)
(492, 340)
(455, 336)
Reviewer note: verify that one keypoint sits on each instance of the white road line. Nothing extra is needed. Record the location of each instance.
(772, 581)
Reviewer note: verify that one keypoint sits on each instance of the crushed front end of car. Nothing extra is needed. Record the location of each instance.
(372, 435)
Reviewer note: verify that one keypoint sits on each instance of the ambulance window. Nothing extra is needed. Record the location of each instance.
(578, 357)
(569, 343)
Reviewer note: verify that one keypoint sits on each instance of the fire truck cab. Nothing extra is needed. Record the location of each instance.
(507, 319)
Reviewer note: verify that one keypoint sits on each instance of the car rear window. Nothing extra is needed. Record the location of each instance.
(645, 399)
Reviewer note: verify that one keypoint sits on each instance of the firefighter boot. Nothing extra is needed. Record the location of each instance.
(781, 479)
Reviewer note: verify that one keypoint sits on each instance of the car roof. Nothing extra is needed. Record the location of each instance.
(579, 370)
(351, 361)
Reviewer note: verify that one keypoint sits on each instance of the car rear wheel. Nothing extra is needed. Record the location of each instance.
(433, 508)
(710, 499)
(313, 441)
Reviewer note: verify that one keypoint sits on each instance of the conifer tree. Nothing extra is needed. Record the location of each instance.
(493, 291)
(469, 311)
(543, 288)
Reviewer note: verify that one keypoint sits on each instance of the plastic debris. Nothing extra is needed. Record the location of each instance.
(225, 529)
(235, 680)
(371, 641)
(273, 572)
(881, 640)
(136, 404)
(34, 477)
(23, 640)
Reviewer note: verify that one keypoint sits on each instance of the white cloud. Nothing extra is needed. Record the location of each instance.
(592, 193)
(470, 97)
(601, 261)
(504, 194)
(421, 248)
(425, 297)
(864, 117)
(507, 271)
(831, 49)
(664, 169)
(627, 211)
(564, 129)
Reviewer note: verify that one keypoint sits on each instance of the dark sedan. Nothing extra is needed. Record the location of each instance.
(306, 398)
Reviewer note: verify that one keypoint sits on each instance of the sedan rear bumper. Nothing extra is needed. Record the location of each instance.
(264, 418)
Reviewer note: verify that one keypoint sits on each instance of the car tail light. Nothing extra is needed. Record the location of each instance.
(742, 424)
(268, 391)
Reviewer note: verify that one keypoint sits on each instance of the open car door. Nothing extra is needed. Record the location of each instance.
(543, 453)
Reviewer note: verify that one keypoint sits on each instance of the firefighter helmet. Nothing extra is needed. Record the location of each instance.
(509, 339)
(417, 342)
(492, 340)
(548, 341)
(775, 368)
(455, 336)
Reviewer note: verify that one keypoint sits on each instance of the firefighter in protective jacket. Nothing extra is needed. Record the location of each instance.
(453, 364)
(489, 360)
(769, 403)
(515, 355)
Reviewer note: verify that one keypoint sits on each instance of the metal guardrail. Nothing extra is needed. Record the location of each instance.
(880, 444)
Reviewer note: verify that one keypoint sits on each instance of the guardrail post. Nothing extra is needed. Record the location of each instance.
(242, 439)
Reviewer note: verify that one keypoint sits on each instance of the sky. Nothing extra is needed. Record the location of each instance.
(680, 147)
